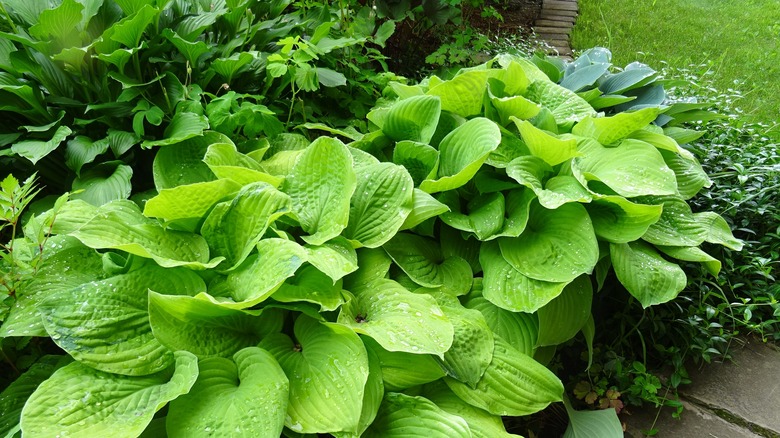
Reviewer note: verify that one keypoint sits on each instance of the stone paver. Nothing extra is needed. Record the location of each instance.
(554, 24)
(695, 423)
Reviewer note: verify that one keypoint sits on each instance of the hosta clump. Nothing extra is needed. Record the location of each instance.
(398, 285)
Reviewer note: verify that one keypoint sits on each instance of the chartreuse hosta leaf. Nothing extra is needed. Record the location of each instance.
(261, 275)
(508, 288)
(464, 94)
(618, 220)
(380, 205)
(481, 423)
(397, 319)
(182, 163)
(562, 318)
(232, 229)
(327, 366)
(207, 329)
(677, 226)
(335, 258)
(120, 225)
(602, 423)
(312, 286)
(691, 177)
(419, 159)
(532, 172)
(645, 274)
(245, 396)
(405, 416)
(67, 264)
(472, 345)
(191, 201)
(105, 324)
(462, 153)
(424, 207)
(320, 185)
(421, 260)
(513, 384)
(412, 119)
(226, 162)
(80, 401)
(15, 395)
(693, 254)
(553, 150)
(490, 216)
(633, 168)
(401, 370)
(103, 183)
(508, 106)
(556, 246)
(609, 130)
(717, 230)
(566, 106)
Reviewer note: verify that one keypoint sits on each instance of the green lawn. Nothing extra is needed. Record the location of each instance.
(739, 40)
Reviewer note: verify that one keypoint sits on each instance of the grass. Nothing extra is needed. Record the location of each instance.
(737, 41)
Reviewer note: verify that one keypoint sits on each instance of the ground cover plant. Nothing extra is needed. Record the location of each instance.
(416, 277)
(737, 41)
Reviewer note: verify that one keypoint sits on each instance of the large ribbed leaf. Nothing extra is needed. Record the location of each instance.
(15, 395)
(312, 286)
(618, 220)
(472, 345)
(532, 172)
(692, 254)
(645, 274)
(421, 260)
(565, 105)
(404, 416)
(34, 150)
(677, 226)
(80, 401)
(335, 258)
(691, 177)
(190, 201)
(609, 130)
(182, 163)
(320, 185)
(103, 183)
(513, 384)
(602, 423)
(226, 162)
(412, 119)
(519, 329)
(244, 396)
(553, 150)
(463, 95)
(105, 324)
(562, 318)
(556, 246)
(717, 230)
(424, 206)
(372, 397)
(183, 126)
(328, 368)
(404, 370)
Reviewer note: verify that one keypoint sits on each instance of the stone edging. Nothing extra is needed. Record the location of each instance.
(554, 24)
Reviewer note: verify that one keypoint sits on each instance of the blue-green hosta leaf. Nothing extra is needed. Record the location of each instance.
(517, 328)
(645, 274)
(691, 177)
(419, 159)
(380, 205)
(677, 225)
(610, 130)
(421, 260)
(401, 370)
(182, 163)
(120, 225)
(514, 384)
(556, 246)
(312, 286)
(397, 319)
(562, 318)
(207, 329)
(635, 75)
(80, 401)
(261, 275)
(105, 324)
(717, 230)
(463, 94)
(66, 265)
(233, 228)
(472, 345)
(335, 258)
(15, 395)
(327, 368)
(585, 76)
(244, 396)
(424, 207)
(481, 423)
(633, 168)
(593, 424)
(553, 150)
(226, 162)
(404, 416)
(104, 183)
(564, 104)
(692, 254)
(508, 288)
(462, 153)
(412, 119)
(320, 185)
(618, 220)
(34, 150)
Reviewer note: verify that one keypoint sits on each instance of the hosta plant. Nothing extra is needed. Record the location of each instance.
(411, 282)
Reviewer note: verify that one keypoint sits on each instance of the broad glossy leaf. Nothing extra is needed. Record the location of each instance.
(373, 264)
(513, 384)
(507, 288)
(655, 136)
(228, 67)
(610, 130)
(226, 162)
(419, 159)
(244, 396)
(424, 207)
(34, 150)
(533, 173)
(553, 150)
(397, 319)
(312, 286)
(562, 318)
(372, 397)
(717, 230)
(585, 76)
(633, 168)
(380, 205)
(472, 345)
(191, 201)
(207, 329)
(693, 254)
(421, 259)
(564, 104)
(183, 126)
(412, 119)
(618, 220)
(103, 183)
(645, 274)
(602, 423)
(328, 367)
(78, 400)
(677, 225)
(507, 105)
(182, 163)
(233, 228)
(635, 75)
(320, 185)
(401, 370)
(192, 51)
(454, 244)
(82, 150)
(105, 324)
(462, 153)
(15, 395)
(485, 214)
(129, 30)
(463, 95)
(404, 416)
(556, 246)
(691, 177)
(335, 258)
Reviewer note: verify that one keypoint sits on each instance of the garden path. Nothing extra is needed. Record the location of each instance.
(555, 22)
